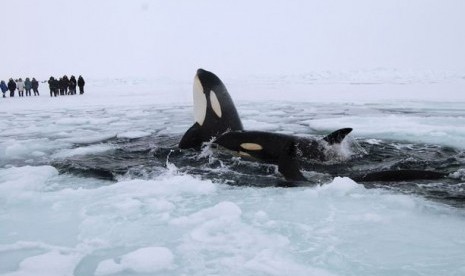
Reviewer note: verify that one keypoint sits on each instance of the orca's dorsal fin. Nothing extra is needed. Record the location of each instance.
(337, 136)
(289, 166)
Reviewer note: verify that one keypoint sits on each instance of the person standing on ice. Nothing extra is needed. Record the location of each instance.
(56, 87)
(61, 89)
(81, 84)
(28, 86)
(20, 87)
(35, 86)
(3, 87)
(12, 87)
(65, 84)
(72, 85)
(51, 85)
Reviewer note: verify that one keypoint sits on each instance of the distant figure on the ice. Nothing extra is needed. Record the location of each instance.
(56, 87)
(65, 84)
(28, 86)
(20, 87)
(72, 85)
(35, 86)
(12, 87)
(3, 87)
(52, 86)
(61, 87)
(81, 84)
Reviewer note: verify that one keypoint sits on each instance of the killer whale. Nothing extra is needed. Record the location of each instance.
(280, 149)
(214, 111)
(287, 151)
(217, 120)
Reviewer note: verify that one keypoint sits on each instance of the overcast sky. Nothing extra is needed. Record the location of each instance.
(116, 38)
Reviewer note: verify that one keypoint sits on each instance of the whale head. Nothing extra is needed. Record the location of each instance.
(214, 111)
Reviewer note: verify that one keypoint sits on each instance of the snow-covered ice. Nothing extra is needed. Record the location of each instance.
(143, 260)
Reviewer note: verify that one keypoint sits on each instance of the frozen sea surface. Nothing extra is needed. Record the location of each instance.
(155, 217)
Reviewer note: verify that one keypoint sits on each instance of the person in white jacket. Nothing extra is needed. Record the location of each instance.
(20, 87)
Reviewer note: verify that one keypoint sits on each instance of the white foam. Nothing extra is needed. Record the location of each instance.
(373, 141)
(340, 186)
(459, 174)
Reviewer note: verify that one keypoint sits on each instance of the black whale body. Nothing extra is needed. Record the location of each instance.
(280, 149)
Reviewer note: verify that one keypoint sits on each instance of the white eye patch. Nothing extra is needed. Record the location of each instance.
(251, 146)
(215, 104)
(200, 102)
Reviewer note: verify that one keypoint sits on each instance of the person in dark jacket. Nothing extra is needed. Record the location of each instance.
(65, 85)
(12, 87)
(72, 85)
(3, 88)
(28, 87)
(81, 84)
(61, 87)
(51, 85)
(35, 86)
(56, 85)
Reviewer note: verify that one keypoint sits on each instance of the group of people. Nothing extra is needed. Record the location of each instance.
(20, 85)
(61, 86)
(65, 86)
